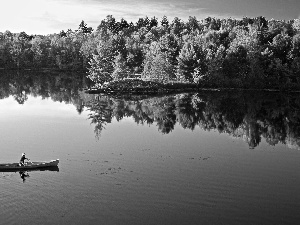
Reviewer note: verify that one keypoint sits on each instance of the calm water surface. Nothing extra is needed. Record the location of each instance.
(148, 162)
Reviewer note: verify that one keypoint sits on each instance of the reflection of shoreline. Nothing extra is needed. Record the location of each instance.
(293, 143)
(60, 87)
(249, 116)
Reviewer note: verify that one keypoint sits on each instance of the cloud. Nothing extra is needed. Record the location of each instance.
(52, 16)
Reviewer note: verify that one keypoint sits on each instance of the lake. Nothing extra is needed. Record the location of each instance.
(191, 158)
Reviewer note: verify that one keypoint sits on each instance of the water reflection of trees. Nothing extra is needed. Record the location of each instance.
(61, 87)
(250, 116)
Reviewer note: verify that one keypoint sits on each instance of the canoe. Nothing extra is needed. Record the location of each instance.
(28, 165)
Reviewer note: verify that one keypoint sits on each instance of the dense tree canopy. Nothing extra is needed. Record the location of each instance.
(245, 53)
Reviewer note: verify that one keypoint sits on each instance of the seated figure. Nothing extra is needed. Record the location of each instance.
(21, 163)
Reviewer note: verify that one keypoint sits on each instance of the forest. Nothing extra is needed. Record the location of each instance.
(213, 53)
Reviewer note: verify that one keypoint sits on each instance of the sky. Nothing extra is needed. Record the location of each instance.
(52, 16)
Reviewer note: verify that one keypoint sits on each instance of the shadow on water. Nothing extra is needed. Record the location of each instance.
(52, 168)
(251, 116)
(24, 174)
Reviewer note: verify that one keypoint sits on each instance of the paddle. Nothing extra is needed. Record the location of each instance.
(29, 161)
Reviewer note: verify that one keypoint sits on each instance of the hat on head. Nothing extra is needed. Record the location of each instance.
(23, 154)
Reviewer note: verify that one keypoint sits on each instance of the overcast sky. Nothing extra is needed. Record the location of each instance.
(52, 16)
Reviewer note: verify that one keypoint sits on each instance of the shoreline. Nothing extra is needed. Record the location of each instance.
(169, 89)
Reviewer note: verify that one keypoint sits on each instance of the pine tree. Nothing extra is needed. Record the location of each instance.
(191, 62)
(101, 64)
(121, 70)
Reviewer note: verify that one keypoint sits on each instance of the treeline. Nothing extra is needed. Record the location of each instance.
(54, 51)
(249, 116)
(251, 52)
(245, 53)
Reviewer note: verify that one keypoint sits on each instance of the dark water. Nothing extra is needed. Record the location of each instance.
(199, 158)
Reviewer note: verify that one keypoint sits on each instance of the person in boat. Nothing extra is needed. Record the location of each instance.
(21, 163)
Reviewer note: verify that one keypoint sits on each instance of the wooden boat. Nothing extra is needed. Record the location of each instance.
(28, 166)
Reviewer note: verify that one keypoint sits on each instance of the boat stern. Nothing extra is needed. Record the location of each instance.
(54, 162)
